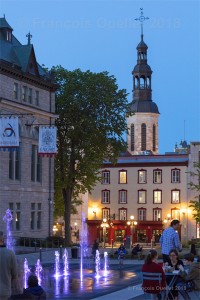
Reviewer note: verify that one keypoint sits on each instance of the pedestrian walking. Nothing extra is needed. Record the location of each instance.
(8, 271)
(170, 240)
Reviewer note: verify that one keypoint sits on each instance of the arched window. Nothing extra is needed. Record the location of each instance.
(132, 137)
(142, 82)
(143, 137)
(154, 138)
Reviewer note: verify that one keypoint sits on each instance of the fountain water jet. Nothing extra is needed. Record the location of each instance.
(65, 261)
(97, 264)
(26, 272)
(38, 271)
(57, 264)
(7, 219)
(105, 264)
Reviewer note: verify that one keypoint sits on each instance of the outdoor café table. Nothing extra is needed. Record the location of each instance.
(174, 275)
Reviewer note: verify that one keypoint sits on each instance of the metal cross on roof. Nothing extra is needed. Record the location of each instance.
(29, 36)
(141, 19)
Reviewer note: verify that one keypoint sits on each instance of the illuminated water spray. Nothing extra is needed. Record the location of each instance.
(105, 264)
(57, 264)
(7, 219)
(65, 262)
(26, 272)
(38, 271)
(97, 264)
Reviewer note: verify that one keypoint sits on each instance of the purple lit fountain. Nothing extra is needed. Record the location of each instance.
(57, 264)
(65, 262)
(97, 264)
(26, 272)
(38, 271)
(8, 219)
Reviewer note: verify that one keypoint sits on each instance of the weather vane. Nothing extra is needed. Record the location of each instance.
(141, 19)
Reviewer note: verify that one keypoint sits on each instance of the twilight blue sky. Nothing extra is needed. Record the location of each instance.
(102, 36)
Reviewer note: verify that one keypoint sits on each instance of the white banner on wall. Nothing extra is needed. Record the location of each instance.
(9, 132)
(47, 140)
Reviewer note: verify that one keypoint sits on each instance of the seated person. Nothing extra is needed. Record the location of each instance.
(174, 263)
(153, 288)
(137, 250)
(190, 279)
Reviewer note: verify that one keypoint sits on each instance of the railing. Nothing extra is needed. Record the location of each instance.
(51, 242)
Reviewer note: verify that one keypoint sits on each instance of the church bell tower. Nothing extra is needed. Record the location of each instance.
(143, 124)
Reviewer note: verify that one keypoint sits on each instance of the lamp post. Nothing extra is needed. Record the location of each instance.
(132, 225)
(167, 221)
(104, 225)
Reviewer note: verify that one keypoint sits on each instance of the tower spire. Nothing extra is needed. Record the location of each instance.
(141, 19)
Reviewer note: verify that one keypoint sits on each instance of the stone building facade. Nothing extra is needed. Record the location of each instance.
(26, 180)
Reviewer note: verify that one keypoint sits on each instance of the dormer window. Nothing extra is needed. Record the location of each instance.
(8, 36)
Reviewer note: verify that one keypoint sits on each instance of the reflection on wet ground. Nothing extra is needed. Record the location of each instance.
(72, 287)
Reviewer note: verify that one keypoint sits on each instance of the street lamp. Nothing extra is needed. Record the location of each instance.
(167, 221)
(132, 225)
(104, 225)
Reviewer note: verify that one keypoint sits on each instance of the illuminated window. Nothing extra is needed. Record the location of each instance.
(122, 176)
(142, 176)
(105, 213)
(122, 214)
(157, 214)
(157, 196)
(175, 196)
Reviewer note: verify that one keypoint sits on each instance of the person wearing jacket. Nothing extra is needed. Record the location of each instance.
(170, 240)
(152, 287)
(190, 278)
(35, 290)
(8, 270)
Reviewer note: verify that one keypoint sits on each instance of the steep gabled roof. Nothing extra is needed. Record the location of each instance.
(18, 55)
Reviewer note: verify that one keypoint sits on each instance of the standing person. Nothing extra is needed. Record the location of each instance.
(121, 254)
(151, 286)
(8, 270)
(170, 240)
(95, 247)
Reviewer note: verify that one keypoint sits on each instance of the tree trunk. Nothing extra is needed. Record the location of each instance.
(67, 197)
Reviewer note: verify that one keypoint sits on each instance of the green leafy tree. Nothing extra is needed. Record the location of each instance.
(92, 121)
(195, 185)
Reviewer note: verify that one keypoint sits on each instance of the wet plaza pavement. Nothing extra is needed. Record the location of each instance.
(71, 286)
